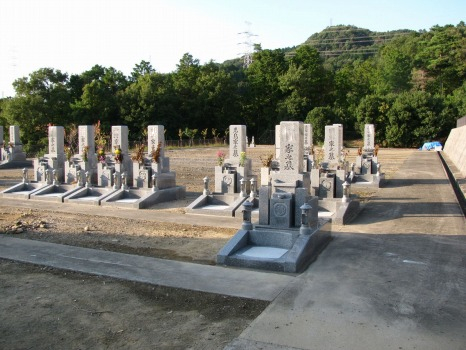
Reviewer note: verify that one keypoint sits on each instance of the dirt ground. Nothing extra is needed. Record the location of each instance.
(44, 308)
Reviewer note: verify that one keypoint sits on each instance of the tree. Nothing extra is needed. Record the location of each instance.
(41, 99)
(443, 56)
(373, 110)
(263, 92)
(319, 117)
(186, 89)
(413, 118)
(141, 69)
(150, 100)
(100, 97)
(218, 97)
(304, 85)
(393, 70)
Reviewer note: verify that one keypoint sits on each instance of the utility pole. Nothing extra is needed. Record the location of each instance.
(248, 45)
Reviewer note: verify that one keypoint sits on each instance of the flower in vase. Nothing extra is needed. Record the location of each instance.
(220, 157)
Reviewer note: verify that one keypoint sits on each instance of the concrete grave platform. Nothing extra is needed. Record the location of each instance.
(140, 199)
(275, 249)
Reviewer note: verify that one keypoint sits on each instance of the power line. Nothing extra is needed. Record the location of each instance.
(248, 45)
(357, 37)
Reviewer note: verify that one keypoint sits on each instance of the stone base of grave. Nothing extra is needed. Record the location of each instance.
(339, 212)
(55, 193)
(140, 199)
(281, 250)
(15, 164)
(89, 195)
(217, 204)
(23, 190)
(368, 180)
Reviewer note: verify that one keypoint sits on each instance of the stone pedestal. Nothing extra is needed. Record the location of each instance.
(281, 210)
(105, 175)
(141, 175)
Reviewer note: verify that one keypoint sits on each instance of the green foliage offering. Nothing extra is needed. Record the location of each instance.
(411, 85)
(242, 158)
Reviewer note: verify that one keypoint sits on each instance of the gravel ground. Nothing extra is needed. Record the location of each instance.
(44, 308)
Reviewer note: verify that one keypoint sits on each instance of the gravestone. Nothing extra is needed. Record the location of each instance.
(54, 160)
(14, 135)
(288, 216)
(156, 135)
(87, 139)
(277, 141)
(332, 146)
(235, 172)
(366, 163)
(237, 142)
(308, 142)
(15, 145)
(327, 181)
(279, 203)
(120, 140)
(369, 138)
(81, 163)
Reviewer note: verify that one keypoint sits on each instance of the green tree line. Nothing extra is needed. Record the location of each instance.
(411, 85)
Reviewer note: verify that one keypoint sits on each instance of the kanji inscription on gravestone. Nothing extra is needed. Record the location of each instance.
(332, 144)
(120, 138)
(155, 135)
(291, 147)
(86, 138)
(307, 139)
(56, 140)
(369, 137)
(237, 141)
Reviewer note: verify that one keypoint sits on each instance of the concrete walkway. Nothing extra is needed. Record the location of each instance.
(394, 279)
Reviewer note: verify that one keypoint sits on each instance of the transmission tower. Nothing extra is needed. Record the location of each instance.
(248, 45)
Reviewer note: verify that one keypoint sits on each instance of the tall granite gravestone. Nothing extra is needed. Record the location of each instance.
(236, 170)
(289, 186)
(369, 138)
(118, 165)
(327, 181)
(54, 161)
(277, 141)
(308, 143)
(154, 170)
(85, 161)
(333, 145)
(234, 180)
(121, 158)
(289, 234)
(15, 147)
(87, 145)
(156, 138)
(367, 162)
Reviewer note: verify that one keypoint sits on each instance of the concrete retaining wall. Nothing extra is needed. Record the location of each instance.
(455, 148)
(461, 122)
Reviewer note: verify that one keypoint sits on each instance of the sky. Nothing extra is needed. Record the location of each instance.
(74, 35)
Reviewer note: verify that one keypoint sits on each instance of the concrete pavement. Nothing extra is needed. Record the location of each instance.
(394, 279)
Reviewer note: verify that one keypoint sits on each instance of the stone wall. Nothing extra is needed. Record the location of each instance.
(455, 148)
